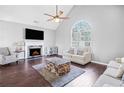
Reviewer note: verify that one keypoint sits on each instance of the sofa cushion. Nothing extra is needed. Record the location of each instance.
(104, 79)
(77, 57)
(4, 51)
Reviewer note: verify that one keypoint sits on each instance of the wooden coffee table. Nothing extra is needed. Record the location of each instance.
(58, 66)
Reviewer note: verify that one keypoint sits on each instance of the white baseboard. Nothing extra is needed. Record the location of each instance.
(98, 62)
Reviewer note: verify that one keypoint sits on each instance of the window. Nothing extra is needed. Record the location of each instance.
(81, 34)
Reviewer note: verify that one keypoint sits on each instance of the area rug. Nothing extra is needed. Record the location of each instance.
(58, 81)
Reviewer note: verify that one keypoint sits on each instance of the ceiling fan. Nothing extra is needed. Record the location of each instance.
(57, 17)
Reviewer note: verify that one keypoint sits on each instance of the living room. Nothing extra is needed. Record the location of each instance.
(87, 43)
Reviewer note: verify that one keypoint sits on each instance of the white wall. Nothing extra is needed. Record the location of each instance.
(11, 32)
(107, 30)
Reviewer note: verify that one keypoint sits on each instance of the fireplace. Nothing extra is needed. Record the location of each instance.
(34, 51)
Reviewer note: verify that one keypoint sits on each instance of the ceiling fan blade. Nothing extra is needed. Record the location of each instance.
(50, 19)
(63, 17)
(48, 14)
(60, 13)
(56, 10)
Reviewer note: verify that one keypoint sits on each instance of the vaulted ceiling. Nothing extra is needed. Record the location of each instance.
(32, 14)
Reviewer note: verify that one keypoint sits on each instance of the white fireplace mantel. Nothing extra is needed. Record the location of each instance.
(29, 43)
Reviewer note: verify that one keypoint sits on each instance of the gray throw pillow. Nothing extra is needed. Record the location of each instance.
(4, 51)
(79, 52)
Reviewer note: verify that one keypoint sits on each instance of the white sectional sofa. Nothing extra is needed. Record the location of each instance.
(81, 56)
(111, 77)
(105, 81)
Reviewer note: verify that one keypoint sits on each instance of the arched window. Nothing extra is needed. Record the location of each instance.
(81, 34)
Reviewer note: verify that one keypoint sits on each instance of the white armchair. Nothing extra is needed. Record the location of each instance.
(6, 56)
(81, 57)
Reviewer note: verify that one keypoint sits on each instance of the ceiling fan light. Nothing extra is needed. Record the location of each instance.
(57, 20)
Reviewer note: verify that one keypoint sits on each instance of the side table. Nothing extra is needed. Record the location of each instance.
(20, 55)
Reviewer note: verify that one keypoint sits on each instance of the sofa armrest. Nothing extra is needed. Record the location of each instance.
(14, 55)
(87, 54)
(2, 58)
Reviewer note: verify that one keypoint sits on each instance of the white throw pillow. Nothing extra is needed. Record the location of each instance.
(118, 60)
(122, 59)
(120, 71)
(111, 72)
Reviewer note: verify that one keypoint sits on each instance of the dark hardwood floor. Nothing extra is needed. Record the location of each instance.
(23, 75)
